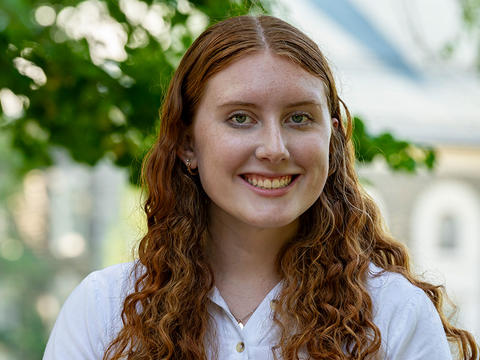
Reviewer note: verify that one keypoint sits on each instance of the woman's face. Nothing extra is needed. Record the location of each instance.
(260, 140)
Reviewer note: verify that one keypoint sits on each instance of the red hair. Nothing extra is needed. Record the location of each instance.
(324, 269)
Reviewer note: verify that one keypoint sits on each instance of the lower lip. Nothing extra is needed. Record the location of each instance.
(271, 192)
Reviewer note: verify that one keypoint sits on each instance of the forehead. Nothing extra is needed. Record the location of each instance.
(264, 76)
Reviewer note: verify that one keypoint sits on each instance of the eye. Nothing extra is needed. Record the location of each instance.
(240, 119)
(300, 118)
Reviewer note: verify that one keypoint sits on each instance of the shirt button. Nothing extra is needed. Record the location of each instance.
(273, 304)
(240, 347)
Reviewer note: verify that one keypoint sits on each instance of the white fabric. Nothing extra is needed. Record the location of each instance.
(90, 318)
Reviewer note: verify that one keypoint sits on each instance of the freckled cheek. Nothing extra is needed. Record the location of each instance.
(314, 159)
(222, 154)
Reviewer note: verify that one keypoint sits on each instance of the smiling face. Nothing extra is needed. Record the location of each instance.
(260, 140)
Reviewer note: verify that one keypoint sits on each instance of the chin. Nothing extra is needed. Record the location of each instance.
(269, 222)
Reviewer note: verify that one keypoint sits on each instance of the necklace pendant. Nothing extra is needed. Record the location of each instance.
(240, 324)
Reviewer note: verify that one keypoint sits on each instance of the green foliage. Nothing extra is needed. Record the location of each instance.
(471, 20)
(470, 12)
(22, 277)
(398, 154)
(26, 278)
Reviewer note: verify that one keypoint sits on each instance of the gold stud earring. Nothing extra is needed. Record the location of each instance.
(189, 167)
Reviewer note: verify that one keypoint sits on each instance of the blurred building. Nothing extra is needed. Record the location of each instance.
(407, 68)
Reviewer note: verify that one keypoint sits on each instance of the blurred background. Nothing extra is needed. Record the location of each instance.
(81, 83)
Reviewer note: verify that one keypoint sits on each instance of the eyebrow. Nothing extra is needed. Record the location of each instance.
(238, 103)
(306, 102)
(253, 105)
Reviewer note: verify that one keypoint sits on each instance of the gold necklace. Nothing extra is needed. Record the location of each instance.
(240, 322)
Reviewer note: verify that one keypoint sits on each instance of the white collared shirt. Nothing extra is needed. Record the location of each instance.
(90, 319)
(255, 339)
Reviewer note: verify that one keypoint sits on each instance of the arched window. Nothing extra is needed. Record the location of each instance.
(445, 234)
(448, 232)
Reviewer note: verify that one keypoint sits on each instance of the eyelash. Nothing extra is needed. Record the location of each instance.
(306, 115)
(238, 125)
(245, 124)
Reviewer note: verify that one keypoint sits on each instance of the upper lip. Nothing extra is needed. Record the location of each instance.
(268, 175)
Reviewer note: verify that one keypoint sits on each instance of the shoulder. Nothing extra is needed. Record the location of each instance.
(107, 287)
(106, 290)
(384, 288)
(113, 281)
(406, 317)
(91, 316)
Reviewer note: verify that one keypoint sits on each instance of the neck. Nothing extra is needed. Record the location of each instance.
(245, 254)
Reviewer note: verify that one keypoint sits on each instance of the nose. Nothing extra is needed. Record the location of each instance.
(272, 145)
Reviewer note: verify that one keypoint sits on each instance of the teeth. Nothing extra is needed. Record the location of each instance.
(269, 183)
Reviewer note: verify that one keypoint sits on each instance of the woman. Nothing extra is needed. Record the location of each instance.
(261, 244)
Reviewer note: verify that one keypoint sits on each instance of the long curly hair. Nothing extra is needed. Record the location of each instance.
(324, 268)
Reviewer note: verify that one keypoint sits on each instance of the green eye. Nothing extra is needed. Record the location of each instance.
(299, 118)
(240, 118)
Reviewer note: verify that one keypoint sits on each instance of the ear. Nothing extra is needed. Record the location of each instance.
(186, 150)
(335, 123)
